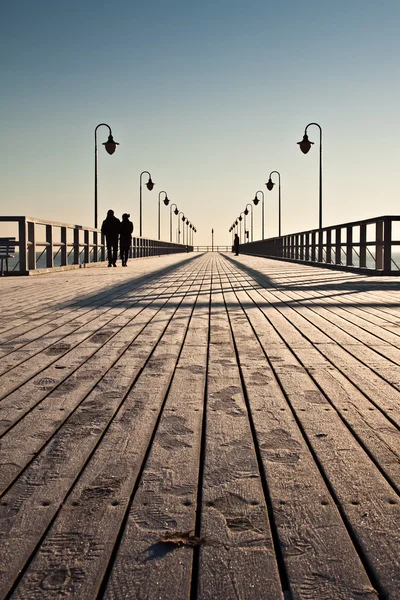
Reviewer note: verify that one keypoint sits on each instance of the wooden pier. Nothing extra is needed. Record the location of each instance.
(200, 426)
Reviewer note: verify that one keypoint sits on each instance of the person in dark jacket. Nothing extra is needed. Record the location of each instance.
(236, 245)
(111, 228)
(125, 239)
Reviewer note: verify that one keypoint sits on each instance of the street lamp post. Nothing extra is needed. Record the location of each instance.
(240, 226)
(305, 146)
(166, 202)
(110, 147)
(270, 184)
(149, 186)
(246, 212)
(256, 201)
(179, 228)
(170, 219)
(187, 231)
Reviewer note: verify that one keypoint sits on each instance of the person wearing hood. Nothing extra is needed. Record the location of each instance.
(111, 228)
(125, 240)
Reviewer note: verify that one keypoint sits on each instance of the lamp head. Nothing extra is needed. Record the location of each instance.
(240, 218)
(183, 218)
(256, 200)
(236, 222)
(305, 144)
(166, 200)
(150, 184)
(270, 184)
(187, 221)
(246, 211)
(176, 211)
(110, 145)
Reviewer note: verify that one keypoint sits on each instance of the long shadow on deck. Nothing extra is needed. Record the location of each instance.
(121, 287)
(335, 287)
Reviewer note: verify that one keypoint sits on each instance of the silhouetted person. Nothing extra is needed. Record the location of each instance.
(125, 238)
(236, 245)
(111, 227)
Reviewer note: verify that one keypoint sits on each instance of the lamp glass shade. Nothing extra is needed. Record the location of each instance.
(240, 218)
(256, 200)
(183, 218)
(150, 184)
(110, 145)
(305, 144)
(166, 200)
(246, 211)
(270, 184)
(176, 211)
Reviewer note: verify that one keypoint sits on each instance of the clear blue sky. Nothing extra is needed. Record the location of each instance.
(209, 97)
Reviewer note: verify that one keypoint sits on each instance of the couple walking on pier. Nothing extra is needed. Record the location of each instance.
(115, 229)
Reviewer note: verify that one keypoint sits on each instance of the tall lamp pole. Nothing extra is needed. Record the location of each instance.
(246, 212)
(256, 201)
(149, 186)
(166, 202)
(270, 184)
(212, 240)
(110, 147)
(305, 146)
(179, 227)
(170, 219)
(240, 226)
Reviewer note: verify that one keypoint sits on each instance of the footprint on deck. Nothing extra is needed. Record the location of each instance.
(279, 446)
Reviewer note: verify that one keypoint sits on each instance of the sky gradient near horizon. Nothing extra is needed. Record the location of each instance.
(209, 97)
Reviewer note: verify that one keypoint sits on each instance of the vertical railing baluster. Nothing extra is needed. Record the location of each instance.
(49, 248)
(31, 246)
(363, 245)
(379, 245)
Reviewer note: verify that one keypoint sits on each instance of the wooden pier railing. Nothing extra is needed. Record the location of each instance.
(371, 245)
(46, 245)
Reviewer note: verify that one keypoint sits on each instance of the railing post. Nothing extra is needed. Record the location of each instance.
(328, 246)
(49, 248)
(320, 246)
(338, 246)
(379, 246)
(387, 245)
(306, 246)
(64, 248)
(95, 246)
(363, 245)
(31, 246)
(349, 246)
(313, 248)
(22, 245)
(86, 251)
(76, 246)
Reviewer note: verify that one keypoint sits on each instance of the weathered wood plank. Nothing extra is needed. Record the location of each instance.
(238, 560)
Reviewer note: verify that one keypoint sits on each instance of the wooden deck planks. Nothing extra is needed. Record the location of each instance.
(248, 408)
